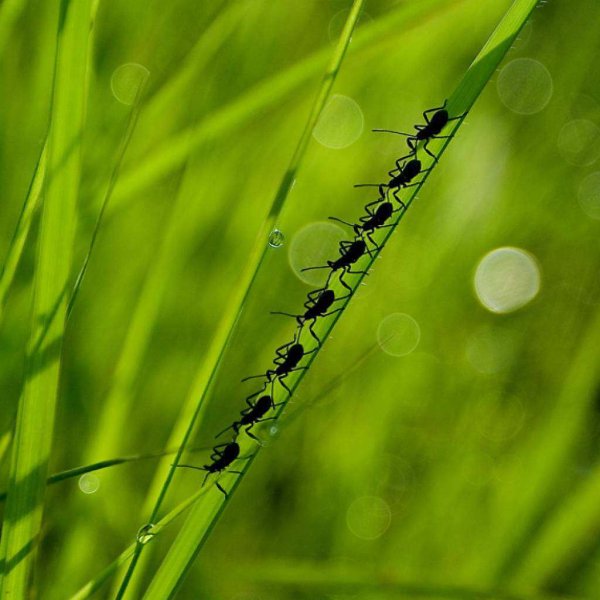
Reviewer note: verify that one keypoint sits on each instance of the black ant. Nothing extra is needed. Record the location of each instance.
(375, 219)
(429, 131)
(221, 459)
(400, 177)
(286, 363)
(317, 305)
(253, 415)
(350, 253)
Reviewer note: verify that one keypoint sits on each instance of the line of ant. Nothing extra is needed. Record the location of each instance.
(320, 301)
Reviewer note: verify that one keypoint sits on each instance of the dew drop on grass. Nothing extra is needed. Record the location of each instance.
(313, 246)
(127, 81)
(589, 195)
(579, 142)
(341, 123)
(525, 86)
(368, 517)
(398, 334)
(276, 239)
(145, 533)
(506, 279)
(89, 483)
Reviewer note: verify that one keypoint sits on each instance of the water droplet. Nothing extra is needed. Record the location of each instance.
(89, 483)
(276, 239)
(398, 334)
(313, 246)
(368, 517)
(525, 86)
(145, 533)
(341, 123)
(579, 142)
(273, 430)
(127, 82)
(506, 279)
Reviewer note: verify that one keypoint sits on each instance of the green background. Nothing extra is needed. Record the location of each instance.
(485, 455)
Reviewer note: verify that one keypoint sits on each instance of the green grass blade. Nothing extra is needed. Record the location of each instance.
(97, 582)
(205, 513)
(97, 466)
(15, 250)
(174, 151)
(35, 418)
(10, 11)
(129, 129)
(210, 366)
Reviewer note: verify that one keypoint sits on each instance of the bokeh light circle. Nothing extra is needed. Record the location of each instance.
(398, 334)
(506, 279)
(313, 246)
(589, 195)
(368, 517)
(579, 142)
(341, 123)
(89, 483)
(525, 86)
(127, 81)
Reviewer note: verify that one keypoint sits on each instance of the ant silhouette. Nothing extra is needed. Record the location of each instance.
(221, 459)
(400, 177)
(317, 305)
(430, 130)
(286, 360)
(350, 252)
(252, 415)
(375, 219)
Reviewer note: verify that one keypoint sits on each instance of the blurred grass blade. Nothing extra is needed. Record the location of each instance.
(5, 441)
(15, 250)
(206, 512)
(10, 10)
(97, 582)
(35, 417)
(131, 123)
(210, 365)
(173, 152)
(552, 447)
(98, 466)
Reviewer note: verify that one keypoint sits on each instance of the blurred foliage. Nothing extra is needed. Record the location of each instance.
(486, 453)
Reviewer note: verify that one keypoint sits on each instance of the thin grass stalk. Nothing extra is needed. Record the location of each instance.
(35, 418)
(124, 144)
(210, 366)
(17, 244)
(206, 512)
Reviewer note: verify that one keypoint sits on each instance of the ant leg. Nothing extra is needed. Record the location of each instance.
(205, 478)
(313, 268)
(219, 486)
(344, 283)
(342, 221)
(311, 330)
(284, 385)
(192, 467)
(337, 310)
(250, 434)
(435, 158)
(434, 110)
(359, 272)
(366, 185)
(277, 312)
(226, 429)
(391, 131)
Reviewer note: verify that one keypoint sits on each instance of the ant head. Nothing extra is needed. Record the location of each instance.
(385, 210)
(296, 352)
(440, 118)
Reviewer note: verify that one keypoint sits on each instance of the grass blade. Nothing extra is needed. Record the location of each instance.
(174, 151)
(35, 418)
(206, 512)
(17, 243)
(210, 366)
